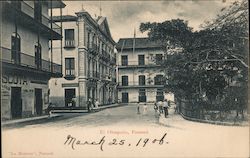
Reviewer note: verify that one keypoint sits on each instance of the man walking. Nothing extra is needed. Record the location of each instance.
(165, 107)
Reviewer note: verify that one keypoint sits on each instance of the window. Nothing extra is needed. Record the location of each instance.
(142, 95)
(141, 80)
(158, 59)
(159, 80)
(159, 95)
(88, 40)
(124, 80)
(15, 48)
(124, 60)
(69, 66)
(38, 56)
(38, 11)
(141, 60)
(69, 38)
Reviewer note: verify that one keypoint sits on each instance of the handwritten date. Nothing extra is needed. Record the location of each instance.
(73, 142)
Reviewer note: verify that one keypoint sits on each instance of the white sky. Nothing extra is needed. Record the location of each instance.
(124, 16)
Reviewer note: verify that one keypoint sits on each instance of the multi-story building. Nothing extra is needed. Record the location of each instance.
(26, 34)
(140, 71)
(88, 63)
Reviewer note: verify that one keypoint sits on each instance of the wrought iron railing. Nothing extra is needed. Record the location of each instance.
(29, 61)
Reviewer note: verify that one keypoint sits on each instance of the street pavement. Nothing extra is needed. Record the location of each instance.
(136, 135)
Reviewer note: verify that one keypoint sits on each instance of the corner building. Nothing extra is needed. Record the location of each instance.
(140, 71)
(26, 36)
(88, 62)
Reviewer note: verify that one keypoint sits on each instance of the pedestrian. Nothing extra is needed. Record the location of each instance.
(145, 109)
(96, 103)
(160, 107)
(89, 105)
(138, 107)
(156, 108)
(165, 108)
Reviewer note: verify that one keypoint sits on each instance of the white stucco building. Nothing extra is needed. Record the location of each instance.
(139, 71)
(88, 63)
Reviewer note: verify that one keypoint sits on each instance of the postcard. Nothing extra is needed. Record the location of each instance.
(123, 79)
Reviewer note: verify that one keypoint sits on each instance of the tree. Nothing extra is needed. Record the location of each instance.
(209, 60)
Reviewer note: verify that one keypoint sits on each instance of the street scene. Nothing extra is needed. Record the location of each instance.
(124, 78)
(124, 123)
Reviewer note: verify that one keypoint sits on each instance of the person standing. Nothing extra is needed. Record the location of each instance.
(160, 107)
(155, 108)
(145, 109)
(89, 105)
(165, 108)
(96, 103)
(138, 107)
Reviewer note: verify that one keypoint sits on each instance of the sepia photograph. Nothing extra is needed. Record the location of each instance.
(124, 78)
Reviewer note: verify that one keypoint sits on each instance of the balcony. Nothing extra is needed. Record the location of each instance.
(93, 49)
(69, 74)
(105, 56)
(135, 64)
(113, 61)
(138, 85)
(69, 44)
(23, 13)
(93, 75)
(106, 78)
(25, 62)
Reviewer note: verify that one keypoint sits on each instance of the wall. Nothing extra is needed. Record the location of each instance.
(28, 39)
(56, 84)
(27, 93)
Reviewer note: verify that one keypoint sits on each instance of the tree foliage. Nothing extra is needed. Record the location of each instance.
(211, 61)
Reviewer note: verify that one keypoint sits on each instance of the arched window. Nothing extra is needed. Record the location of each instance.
(15, 48)
(38, 56)
(158, 80)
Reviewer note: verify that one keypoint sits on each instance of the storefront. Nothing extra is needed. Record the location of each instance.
(23, 95)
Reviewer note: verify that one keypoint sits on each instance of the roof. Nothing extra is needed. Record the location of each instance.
(140, 43)
(64, 18)
(55, 4)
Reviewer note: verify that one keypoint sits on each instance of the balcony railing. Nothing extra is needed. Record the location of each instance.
(93, 74)
(138, 84)
(136, 64)
(69, 44)
(106, 77)
(113, 61)
(93, 49)
(29, 10)
(105, 56)
(28, 61)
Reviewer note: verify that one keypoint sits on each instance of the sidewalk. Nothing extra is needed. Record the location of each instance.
(30, 119)
(86, 111)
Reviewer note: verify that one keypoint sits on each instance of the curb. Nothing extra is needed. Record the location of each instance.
(27, 120)
(212, 122)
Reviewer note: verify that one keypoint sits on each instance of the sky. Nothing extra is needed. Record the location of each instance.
(125, 16)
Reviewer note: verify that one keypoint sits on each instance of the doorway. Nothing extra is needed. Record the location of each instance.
(38, 101)
(125, 97)
(69, 95)
(16, 102)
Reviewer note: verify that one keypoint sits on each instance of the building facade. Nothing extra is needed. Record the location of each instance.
(140, 71)
(26, 34)
(88, 63)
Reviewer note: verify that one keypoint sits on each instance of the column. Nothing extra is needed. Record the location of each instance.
(82, 61)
